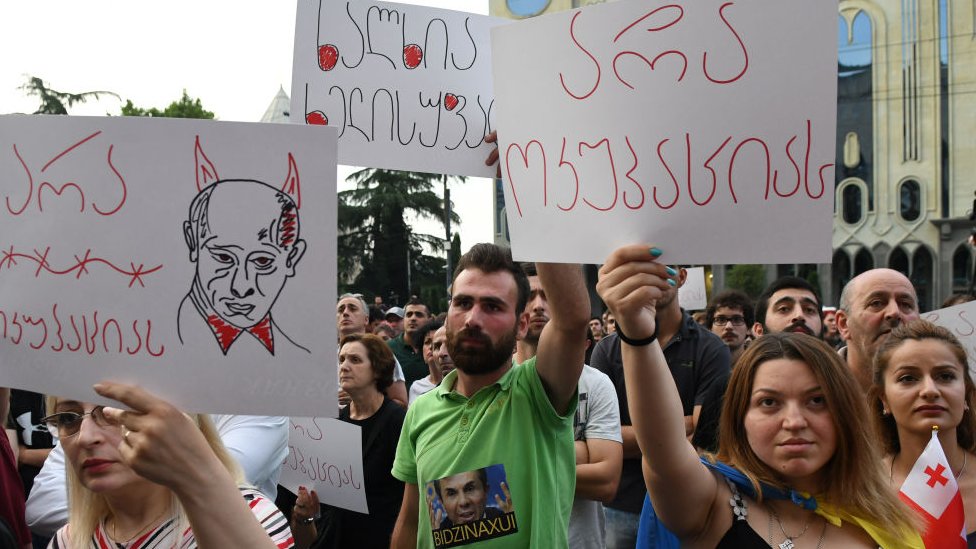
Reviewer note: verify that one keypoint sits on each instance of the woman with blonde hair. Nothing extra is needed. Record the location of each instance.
(797, 466)
(921, 381)
(153, 476)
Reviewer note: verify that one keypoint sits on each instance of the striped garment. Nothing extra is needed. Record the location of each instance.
(164, 536)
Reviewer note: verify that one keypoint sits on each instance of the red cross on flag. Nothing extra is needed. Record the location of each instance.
(931, 490)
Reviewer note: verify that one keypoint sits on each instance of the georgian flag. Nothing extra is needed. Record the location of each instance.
(931, 490)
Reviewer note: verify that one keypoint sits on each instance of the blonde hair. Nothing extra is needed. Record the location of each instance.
(87, 508)
(854, 476)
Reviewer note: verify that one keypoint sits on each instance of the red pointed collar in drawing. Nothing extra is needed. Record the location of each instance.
(227, 333)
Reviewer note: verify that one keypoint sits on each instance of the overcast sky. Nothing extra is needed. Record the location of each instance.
(232, 54)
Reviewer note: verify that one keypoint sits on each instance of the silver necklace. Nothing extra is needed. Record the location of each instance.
(788, 542)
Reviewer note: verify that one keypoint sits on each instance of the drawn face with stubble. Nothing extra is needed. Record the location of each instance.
(244, 238)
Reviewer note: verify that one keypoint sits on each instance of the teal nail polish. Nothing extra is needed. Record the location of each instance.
(672, 282)
(656, 252)
(672, 272)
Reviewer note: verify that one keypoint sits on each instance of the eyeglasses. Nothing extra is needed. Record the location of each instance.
(67, 424)
(737, 320)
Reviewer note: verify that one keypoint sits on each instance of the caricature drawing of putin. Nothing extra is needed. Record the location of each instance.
(244, 239)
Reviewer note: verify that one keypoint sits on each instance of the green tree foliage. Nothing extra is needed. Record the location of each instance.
(186, 107)
(54, 101)
(376, 244)
(751, 279)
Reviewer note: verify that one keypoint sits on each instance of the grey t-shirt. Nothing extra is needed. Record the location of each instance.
(597, 417)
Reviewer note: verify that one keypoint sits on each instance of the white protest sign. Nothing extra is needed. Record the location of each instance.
(195, 258)
(409, 87)
(705, 128)
(961, 321)
(692, 295)
(325, 455)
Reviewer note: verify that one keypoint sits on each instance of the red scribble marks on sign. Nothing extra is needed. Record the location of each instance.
(292, 185)
(46, 332)
(667, 17)
(684, 68)
(652, 13)
(317, 118)
(450, 101)
(135, 273)
(206, 173)
(745, 53)
(613, 172)
(564, 162)
(525, 160)
(328, 56)
(629, 176)
(412, 56)
(599, 71)
(719, 159)
(59, 190)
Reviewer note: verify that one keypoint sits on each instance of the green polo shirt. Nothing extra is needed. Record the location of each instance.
(508, 430)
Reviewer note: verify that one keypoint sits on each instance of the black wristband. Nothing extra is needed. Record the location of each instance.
(637, 342)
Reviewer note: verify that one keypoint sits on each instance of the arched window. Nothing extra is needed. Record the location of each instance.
(852, 204)
(922, 277)
(855, 112)
(962, 267)
(898, 260)
(863, 261)
(910, 200)
(840, 271)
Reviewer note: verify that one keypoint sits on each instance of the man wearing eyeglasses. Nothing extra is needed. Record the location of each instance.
(729, 316)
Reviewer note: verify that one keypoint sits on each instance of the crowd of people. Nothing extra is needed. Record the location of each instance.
(518, 418)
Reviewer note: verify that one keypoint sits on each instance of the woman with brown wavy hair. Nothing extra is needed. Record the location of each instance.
(798, 466)
(921, 380)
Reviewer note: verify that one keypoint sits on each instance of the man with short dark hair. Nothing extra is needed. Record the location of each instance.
(871, 305)
(729, 316)
(789, 304)
(406, 346)
(491, 412)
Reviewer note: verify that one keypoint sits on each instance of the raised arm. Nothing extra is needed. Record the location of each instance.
(562, 347)
(630, 283)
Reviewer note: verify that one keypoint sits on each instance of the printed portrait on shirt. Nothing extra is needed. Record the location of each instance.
(244, 239)
(470, 506)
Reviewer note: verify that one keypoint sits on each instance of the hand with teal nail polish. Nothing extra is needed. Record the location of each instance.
(656, 252)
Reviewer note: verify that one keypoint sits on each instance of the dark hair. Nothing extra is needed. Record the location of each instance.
(918, 330)
(381, 358)
(376, 314)
(197, 226)
(482, 476)
(490, 258)
(414, 300)
(421, 334)
(529, 268)
(732, 299)
(780, 284)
